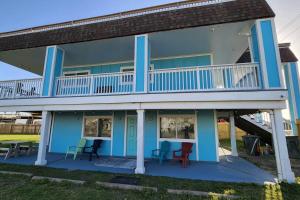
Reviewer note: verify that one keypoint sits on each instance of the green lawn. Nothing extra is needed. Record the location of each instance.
(33, 138)
(19, 187)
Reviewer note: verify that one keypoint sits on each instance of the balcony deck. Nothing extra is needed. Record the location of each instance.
(233, 77)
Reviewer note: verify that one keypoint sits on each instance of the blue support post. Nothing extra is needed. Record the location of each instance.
(52, 69)
(265, 51)
(141, 63)
(291, 74)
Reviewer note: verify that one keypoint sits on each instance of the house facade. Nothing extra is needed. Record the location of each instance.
(138, 78)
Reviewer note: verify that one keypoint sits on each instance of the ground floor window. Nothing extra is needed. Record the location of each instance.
(177, 127)
(97, 127)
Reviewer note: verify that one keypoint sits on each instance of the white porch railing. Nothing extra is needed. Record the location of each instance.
(102, 84)
(205, 78)
(27, 88)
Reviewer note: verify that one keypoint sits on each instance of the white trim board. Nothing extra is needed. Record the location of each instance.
(216, 135)
(125, 135)
(150, 106)
(51, 132)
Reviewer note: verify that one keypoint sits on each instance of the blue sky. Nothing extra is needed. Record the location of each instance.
(16, 14)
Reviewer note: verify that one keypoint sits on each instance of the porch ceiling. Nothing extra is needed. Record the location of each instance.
(224, 42)
(28, 59)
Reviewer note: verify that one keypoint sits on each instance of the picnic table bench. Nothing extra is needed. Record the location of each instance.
(15, 148)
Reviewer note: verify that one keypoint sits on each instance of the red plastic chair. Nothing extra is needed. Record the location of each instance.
(183, 153)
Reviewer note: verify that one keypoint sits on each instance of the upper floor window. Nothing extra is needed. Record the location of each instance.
(127, 78)
(76, 73)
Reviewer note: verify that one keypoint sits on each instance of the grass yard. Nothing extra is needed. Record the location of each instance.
(33, 138)
(21, 187)
(266, 162)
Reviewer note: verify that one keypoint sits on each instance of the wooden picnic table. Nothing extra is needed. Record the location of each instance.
(15, 147)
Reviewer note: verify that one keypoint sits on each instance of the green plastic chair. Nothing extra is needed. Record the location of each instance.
(74, 150)
(161, 153)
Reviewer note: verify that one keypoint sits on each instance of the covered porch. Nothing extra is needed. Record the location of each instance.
(232, 169)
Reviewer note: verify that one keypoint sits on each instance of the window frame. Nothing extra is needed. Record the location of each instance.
(160, 139)
(98, 117)
(122, 82)
(75, 72)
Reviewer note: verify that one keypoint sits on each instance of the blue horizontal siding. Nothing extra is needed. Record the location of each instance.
(68, 126)
(192, 61)
(66, 131)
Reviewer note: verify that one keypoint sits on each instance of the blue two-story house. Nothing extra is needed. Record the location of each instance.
(135, 79)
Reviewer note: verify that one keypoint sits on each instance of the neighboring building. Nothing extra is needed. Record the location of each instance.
(137, 78)
(20, 117)
(290, 71)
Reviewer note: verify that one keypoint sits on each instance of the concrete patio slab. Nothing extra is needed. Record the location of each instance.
(237, 170)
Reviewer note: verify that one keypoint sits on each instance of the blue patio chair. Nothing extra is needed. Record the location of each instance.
(161, 153)
(74, 150)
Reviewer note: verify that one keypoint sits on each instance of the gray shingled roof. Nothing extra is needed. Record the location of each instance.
(160, 18)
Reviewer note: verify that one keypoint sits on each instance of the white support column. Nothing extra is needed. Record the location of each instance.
(140, 168)
(232, 135)
(45, 129)
(281, 152)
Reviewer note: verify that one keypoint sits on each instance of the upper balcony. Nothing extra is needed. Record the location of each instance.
(190, 79)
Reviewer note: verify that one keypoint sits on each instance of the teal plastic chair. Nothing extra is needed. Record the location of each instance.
(161, 153)
(74, 150)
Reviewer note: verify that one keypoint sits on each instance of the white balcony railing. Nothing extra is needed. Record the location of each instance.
(205, 78)
(27, 88)
(102, 84)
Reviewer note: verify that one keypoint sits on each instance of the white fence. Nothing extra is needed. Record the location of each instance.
(27, 88)
(205, 78)
(102, 84)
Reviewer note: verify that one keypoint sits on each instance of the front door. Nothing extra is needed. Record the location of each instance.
(131, 136)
